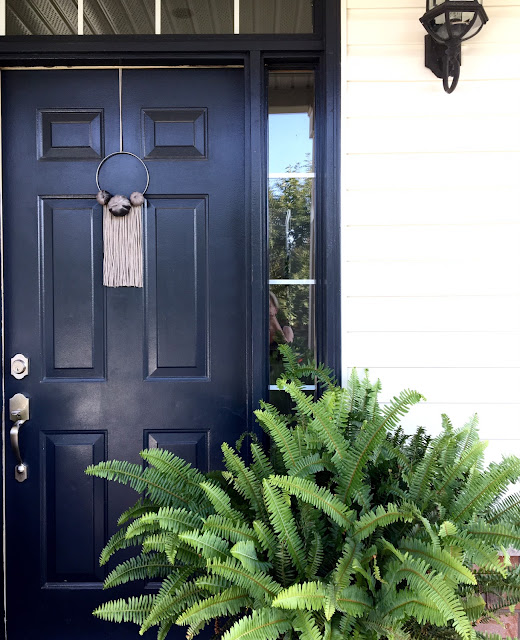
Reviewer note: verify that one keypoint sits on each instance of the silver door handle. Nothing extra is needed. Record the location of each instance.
(19, 413)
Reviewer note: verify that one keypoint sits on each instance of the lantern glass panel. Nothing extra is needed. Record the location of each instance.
(475, 28)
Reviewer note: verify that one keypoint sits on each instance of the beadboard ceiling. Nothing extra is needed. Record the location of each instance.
(59, 17)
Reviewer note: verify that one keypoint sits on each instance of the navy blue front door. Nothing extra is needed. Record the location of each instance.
(114, 370)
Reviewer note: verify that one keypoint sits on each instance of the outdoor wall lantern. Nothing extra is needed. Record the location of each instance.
(449, 23)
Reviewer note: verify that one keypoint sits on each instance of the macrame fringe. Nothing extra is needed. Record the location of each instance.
(123, 249)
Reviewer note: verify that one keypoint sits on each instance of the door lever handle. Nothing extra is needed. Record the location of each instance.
(19, 413)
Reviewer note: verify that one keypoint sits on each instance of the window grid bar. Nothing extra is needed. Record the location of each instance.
(81, 23)
(236, 16)
(302, 174)
(289, 281)
(158, 17)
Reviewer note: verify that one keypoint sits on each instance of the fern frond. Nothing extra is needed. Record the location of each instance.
(283, 523)
(409, 603)
(245, 552)
(220, 500)
(477, 552)
(354, 601)
(416, 573)
(438, 559)
(261, 466)
(170, 601)
(115, 543)
(169, 463)
(345, 566)
(245, 481)
(369, 439)
(508, 509)
(167, 519)
(485, 488)
(207, 544)
(227, 603)
(319, 497)
(262, 624)
(147, 565)
(258, 584)
(131, 610)
(468, 459)
(321, 413)
(228, 529)
(137, 510)
(275, 425)
(266, 538)
(474, 607)
(305, 595)
(307, 466)
(305, 624)
(380, 517)
(499, 535)
(314, 557)
(154, 484)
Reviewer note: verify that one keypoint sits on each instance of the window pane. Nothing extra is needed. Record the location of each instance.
(118, 17)
(195, 16)
(291, 121)
(276, 16)
(41, 17)
(291, 321)
(291, 225)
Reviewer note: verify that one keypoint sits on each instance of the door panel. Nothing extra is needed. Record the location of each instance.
(115, 370)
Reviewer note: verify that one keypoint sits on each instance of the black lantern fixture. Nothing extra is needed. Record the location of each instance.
(449, 23)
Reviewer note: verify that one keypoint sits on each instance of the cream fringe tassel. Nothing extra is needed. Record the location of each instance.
(122, 249)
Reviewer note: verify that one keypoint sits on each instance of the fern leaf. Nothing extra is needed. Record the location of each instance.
(477, 552)
(167, 519)
(169, 603)
(261, 466)
(345, 566)
(305, 624)
(276, 426)
(495, 534)
(416, 573)
(369, 439)
(228, 529)
(314, 557)
(469, 459)
(150, 481)
(307, 466)
(139, 568)
(207, 543)
(263, 624)
(246, 483)
(319, 497)
(245, 553)
(354, 601)
(164, 628)
(266, 538)
(131, 610)
(485, 488)
(408, 603)
(438, 559)
(380, 517)
(220, 500)
(306, 595)
(229, 602)
(169, 463)
(508, 509)
(141, 507)
(116, 542)
(283, 523)
(322, 417)
(259, 585)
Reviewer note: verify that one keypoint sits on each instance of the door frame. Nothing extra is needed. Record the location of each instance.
(319, 51)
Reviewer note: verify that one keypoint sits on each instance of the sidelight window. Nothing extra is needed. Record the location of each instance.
(140, 17)
(291, 208)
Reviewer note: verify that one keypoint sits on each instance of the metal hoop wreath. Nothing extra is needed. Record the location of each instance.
(126, 153)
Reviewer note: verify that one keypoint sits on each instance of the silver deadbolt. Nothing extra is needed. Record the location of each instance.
(19, 413)
(19, 366)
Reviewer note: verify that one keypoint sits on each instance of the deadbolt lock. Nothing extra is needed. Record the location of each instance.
(19, 366)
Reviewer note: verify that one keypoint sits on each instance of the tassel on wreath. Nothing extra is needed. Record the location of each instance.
(122, 244)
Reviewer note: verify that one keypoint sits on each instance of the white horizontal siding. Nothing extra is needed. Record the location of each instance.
(431, 217)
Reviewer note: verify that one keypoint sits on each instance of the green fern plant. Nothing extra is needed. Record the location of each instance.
(348, 527)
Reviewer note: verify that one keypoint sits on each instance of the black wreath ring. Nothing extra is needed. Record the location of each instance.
(119, 205)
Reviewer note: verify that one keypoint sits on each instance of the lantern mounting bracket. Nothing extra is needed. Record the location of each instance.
(434, 53)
